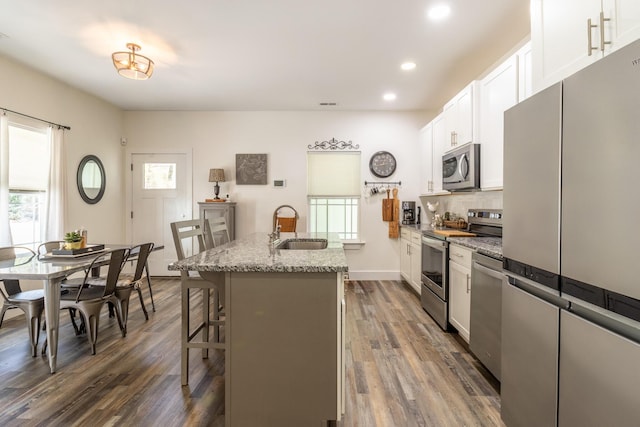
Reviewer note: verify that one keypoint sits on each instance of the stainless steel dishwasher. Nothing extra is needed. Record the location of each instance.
(486, 311)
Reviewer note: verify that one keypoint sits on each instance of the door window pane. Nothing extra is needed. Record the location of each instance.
(159, 176)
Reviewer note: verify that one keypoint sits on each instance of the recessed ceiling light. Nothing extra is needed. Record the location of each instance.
(408, 66)
(389, 96)
(439, 12)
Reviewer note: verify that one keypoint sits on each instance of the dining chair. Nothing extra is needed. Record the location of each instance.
(88, 300)
(216, 232)
(192, 232)
(126, 284)
(30, 302)
(43, 250)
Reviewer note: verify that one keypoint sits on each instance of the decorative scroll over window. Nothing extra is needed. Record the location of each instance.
(333, 144)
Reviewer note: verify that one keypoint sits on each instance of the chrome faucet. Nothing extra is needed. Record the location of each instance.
(275, 236)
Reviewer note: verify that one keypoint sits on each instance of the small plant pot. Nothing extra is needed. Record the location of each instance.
(72, 245)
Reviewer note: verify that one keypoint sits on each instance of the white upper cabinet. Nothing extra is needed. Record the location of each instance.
(460, 117)
(623, 26)
(568, 35)
(432, 141)
(525, 68)
(498, 92)
(426, 157)
(440, 138)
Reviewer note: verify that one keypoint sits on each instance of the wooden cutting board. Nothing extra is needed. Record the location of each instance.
(387, 208)
(394, 225)
(454, 233)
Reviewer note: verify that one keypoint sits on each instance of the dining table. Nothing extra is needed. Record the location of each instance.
(51, 270)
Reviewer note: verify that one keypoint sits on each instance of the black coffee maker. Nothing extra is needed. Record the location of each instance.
(408, 213)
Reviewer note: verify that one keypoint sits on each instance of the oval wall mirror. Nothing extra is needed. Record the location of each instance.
(91, 179)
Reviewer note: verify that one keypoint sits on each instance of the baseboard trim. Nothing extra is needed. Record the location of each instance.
(374, 275)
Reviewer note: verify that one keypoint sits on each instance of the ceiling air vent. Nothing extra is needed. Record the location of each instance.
(328, 104)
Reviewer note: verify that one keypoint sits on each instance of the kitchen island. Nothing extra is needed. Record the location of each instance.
(284, 328)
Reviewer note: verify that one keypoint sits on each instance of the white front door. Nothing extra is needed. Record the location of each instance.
(161, 194)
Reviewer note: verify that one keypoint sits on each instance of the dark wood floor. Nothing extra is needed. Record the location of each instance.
(402, 370)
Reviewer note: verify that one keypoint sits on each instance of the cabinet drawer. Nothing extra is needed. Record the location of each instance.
(416, 238)
(405, 233)
(460, 255)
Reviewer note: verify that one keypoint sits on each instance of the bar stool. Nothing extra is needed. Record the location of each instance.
(193, 231)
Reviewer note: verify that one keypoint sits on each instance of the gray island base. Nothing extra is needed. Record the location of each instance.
(284, 329)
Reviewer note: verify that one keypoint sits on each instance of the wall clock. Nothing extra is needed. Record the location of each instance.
(382, 164)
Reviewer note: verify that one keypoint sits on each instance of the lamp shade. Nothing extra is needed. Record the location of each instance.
(132, 65)
(216, 175)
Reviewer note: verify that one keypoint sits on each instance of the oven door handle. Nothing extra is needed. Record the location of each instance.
(488, 271)
(435, 244)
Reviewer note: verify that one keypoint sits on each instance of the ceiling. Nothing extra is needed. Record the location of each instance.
(264, 55)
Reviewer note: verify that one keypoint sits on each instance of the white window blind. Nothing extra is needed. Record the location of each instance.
(333, 173)
(28, 159)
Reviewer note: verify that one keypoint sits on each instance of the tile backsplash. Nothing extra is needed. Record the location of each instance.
(459, 203)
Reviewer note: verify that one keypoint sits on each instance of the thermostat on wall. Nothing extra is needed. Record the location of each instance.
(279, 183)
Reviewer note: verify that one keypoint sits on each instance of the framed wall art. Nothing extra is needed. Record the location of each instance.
(251, 169)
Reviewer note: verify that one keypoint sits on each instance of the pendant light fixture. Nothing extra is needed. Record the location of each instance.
(132, 65)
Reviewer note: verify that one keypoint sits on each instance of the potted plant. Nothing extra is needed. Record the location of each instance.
(73, 240)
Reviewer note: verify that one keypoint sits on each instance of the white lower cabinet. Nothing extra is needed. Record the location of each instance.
(411, 256)
(460, 289)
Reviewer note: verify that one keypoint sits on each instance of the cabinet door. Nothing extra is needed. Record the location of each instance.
(624, 24)
(405, 260)
(450, 116)
(525, 68)
(416, 271)
(426, 157)
(440, 140)
(559, 38)
(459, 118)
(465, 118)
(460, 298)
(499, 91)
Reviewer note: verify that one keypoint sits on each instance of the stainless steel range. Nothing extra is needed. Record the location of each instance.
(434, 294)
(435, 282)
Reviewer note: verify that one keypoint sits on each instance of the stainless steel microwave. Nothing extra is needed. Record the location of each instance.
(461, 168)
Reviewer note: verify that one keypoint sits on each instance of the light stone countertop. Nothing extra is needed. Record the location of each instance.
(490, 246)
(254, 254)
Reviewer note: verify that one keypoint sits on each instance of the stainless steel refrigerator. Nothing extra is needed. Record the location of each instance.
(571, 301)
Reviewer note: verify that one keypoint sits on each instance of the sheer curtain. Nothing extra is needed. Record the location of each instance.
(54, 212)
(5, 230)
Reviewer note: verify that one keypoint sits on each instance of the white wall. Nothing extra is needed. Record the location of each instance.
(96, 127)
(216, 137)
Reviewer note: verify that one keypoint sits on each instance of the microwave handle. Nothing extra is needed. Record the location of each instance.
(464, 166)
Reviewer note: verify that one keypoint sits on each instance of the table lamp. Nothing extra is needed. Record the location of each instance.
(216, 175)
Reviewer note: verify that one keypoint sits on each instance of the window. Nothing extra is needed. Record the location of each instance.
(159, 176)
(334, 193)
(28, 180)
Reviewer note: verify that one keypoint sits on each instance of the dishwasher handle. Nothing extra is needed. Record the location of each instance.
(488, 271)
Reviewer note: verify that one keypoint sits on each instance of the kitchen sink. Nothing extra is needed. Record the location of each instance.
(303, 243)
